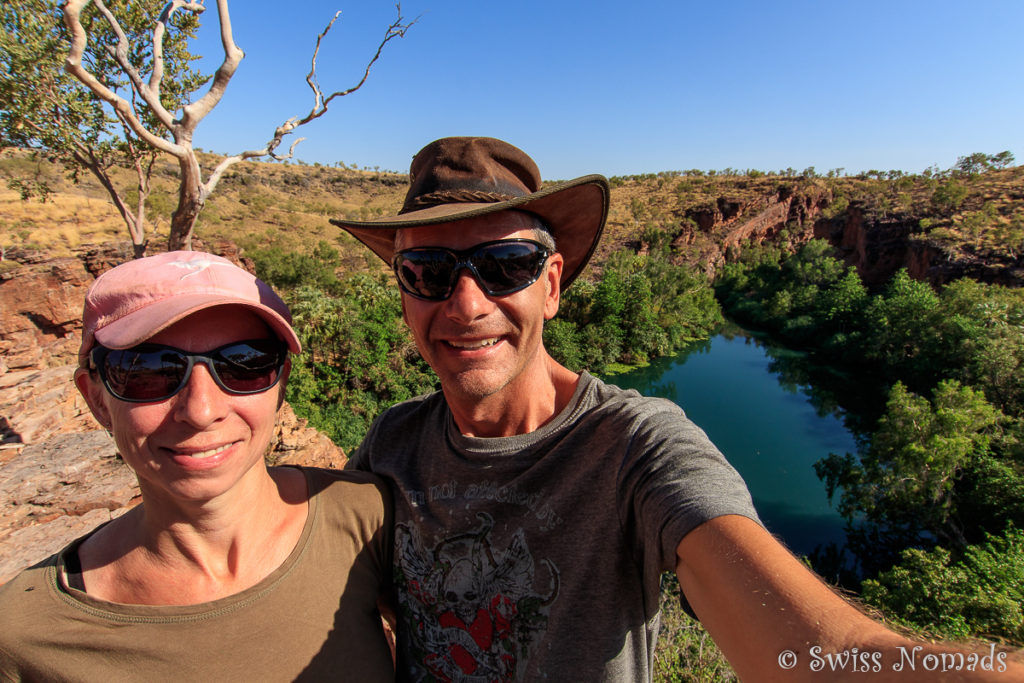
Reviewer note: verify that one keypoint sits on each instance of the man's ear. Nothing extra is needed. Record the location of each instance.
(553, 279)
(91, 389)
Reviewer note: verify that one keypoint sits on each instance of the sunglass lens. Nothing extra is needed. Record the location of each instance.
(248, 367)
(507, 267)
(427, 273)
(144, 375)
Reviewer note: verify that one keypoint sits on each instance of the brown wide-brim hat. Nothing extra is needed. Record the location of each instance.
(453, 179)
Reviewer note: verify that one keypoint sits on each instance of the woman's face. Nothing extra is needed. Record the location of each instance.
(202, 442)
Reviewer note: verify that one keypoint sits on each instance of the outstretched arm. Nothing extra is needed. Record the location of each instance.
(769, 614)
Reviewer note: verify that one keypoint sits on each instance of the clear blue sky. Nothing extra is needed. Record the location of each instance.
(633, 87)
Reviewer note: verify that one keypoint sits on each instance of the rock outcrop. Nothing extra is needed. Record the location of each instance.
(57, 490)
(41, 314)
(712, 232)
(876, 245)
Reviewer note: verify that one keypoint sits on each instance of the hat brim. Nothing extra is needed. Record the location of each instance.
(138, 326)
(574, 211)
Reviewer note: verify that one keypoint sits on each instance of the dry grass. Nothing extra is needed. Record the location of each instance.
(260, 204)
(255, 204)
(59, 225)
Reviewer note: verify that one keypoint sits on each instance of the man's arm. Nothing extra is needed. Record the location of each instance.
(768, 613)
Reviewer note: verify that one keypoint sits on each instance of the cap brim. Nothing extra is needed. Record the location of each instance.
(575, 211)
(138, 326)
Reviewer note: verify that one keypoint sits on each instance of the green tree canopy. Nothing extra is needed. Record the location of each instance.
(47, 110)
(922, 479)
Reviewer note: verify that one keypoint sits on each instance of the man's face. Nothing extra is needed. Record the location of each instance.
(477, 344)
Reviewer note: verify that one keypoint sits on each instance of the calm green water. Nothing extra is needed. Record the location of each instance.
(770, 433)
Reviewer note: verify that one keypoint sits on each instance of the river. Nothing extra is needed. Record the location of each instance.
(768, 428)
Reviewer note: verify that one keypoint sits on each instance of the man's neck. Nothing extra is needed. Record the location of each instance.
(520, 407)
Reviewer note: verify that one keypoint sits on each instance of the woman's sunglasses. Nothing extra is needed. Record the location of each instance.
(501, 267)
(154, 372)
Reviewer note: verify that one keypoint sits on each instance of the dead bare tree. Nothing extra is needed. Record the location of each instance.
(193, 190)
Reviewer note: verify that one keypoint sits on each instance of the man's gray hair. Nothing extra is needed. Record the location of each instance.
(541, 233)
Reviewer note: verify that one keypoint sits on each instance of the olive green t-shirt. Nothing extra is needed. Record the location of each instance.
(314, 618)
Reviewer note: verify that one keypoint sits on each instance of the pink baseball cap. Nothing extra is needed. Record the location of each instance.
(134, 301)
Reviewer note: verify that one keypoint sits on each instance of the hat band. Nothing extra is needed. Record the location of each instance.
(426, 201)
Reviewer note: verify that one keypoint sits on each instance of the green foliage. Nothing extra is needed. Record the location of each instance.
(948, 196)
(919, 480)
(48, 110)
(941, 471)
(979, 595)
(358, 357)
(903, 327)
(979, 162)
(808, 298)
(969, 331)
(642, 307)
(289, 269)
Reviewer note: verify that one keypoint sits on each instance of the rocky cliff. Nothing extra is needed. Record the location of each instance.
(789, 212)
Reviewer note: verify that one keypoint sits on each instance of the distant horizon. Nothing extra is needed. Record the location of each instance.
(725, 171)
(657, 86)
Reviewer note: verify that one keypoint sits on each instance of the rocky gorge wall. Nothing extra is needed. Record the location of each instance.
(60, 475)
(877, 246)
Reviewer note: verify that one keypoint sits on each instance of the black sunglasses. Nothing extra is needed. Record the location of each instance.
(154, 372)
(501, 267)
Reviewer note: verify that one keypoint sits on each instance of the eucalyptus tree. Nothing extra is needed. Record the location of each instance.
(47, 110)
(100, 88)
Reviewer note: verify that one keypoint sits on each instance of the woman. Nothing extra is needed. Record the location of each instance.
(227, 570)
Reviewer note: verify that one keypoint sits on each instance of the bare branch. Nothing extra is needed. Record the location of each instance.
(397, 29)
(311, 77)
(73, 65)
(157, 77)
(195, 112)
(228, 162)
(120, 55)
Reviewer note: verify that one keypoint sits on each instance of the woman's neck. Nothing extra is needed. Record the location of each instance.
(182, 554)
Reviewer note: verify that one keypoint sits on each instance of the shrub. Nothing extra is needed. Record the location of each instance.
(979, 595)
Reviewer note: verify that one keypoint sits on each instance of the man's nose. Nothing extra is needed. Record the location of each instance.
(468, 301)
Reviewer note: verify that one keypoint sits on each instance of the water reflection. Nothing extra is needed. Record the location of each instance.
(761, 406)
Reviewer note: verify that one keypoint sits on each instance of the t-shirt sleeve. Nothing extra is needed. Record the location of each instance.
(674, 479)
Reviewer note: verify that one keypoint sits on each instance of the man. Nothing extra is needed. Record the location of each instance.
(536, 509)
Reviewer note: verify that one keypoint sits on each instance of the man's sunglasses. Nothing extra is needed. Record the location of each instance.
(500, 267)
(154, 372)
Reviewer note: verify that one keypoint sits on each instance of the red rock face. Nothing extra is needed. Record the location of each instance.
(41, 314)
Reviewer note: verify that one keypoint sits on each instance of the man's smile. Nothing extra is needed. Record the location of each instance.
(472, 343)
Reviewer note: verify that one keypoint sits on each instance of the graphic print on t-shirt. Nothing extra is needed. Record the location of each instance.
(475, 609)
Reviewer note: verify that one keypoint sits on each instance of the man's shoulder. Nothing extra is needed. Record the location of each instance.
(402, 423)
(610, 398)
(413, 409)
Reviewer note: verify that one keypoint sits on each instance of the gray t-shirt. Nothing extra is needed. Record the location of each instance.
(539, 556)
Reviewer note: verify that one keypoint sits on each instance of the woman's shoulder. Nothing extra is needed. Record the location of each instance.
(321, 477)
(349, 489)
(26, 596)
